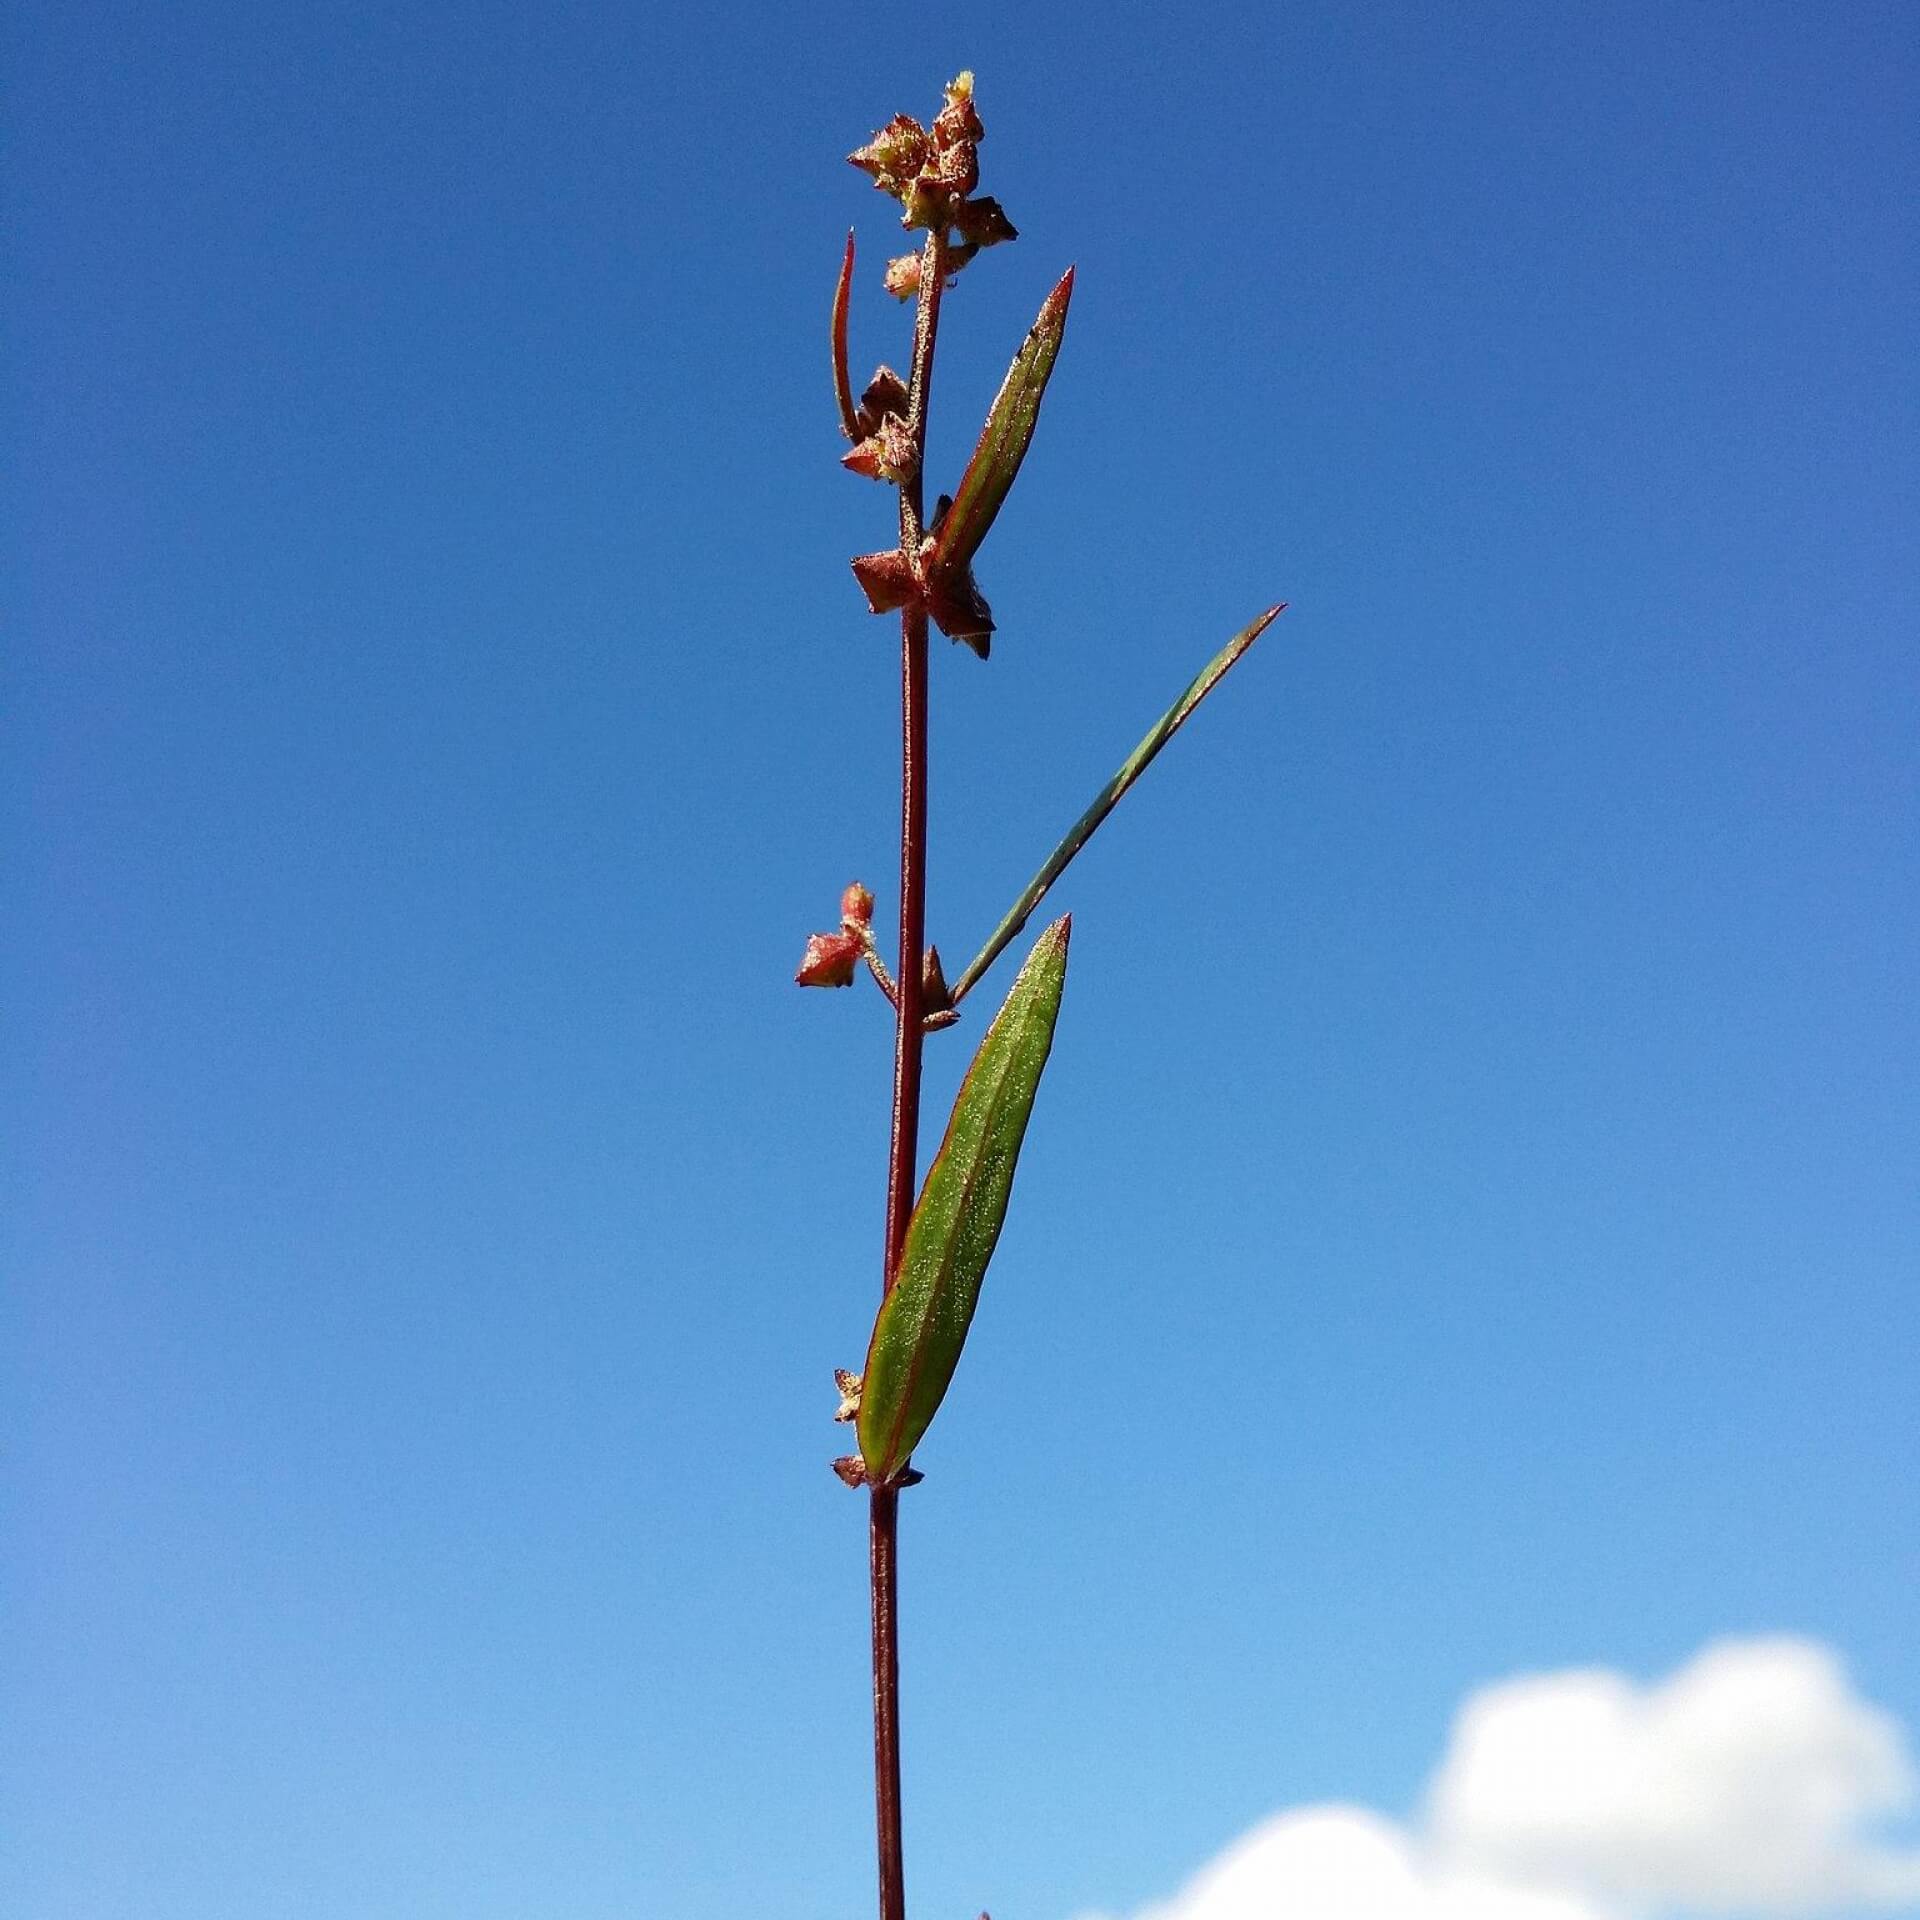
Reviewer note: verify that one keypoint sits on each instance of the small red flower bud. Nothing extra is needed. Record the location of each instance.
(886, 454)
(958, 119)
(953, 170)
(902, 278)
(935, 995)
(894, 154)
(923, 201)
(856, 904)
(830, 960)
(849, 1385)
(886, 393)
(983, 222)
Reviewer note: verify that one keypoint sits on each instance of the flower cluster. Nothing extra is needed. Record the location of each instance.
(932, 171)
(884, 447)
(950, 594)
(832, 959)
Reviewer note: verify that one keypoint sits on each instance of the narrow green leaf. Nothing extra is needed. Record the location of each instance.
(1005, 438)
(1104, 802)
(924, 1319)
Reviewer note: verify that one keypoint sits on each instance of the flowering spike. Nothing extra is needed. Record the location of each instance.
(932, 170)
(937, 1250)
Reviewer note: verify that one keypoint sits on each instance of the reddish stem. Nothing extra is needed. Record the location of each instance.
(883, 1529)
(883, 1546)
(909, 980)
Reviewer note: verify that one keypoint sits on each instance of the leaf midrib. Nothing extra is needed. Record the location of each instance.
(943, 1271)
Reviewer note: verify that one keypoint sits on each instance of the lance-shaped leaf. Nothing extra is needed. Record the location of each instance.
(842, 385)
(1002, 446)
(1104, 802)
(924, 1319)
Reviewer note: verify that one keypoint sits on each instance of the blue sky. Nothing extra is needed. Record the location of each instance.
(1469, 1226)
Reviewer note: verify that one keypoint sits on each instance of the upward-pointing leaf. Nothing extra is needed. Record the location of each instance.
(1008, 433)
(1131, 768)
(1002, 446)
(842, 386)
(924, 1319)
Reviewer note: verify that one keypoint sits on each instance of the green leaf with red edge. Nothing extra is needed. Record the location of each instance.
(1109, 797)
(923, 1321)
(1003, 441)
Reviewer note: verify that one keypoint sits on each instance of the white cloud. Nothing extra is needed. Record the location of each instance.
(1745, 1784)
(1742, 1784)
(1343, 1863)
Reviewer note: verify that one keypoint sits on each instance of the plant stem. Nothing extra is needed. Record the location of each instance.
(883, 1546)
(909, 981)
(903, 1145)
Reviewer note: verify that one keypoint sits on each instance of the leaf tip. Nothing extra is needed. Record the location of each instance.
(1252, 632)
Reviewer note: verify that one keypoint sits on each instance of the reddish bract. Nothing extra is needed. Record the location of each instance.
(831, 960)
